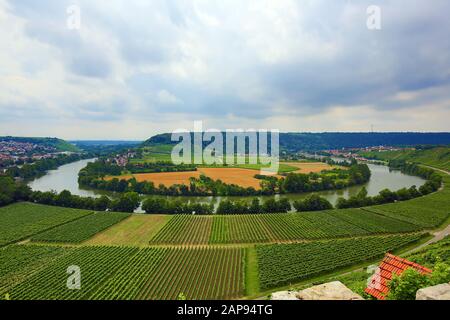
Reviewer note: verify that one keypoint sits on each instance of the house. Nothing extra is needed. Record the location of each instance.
(378, 286)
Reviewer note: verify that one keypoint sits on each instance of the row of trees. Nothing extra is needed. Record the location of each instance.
(164, 206)
(12, 191)
(161, 205)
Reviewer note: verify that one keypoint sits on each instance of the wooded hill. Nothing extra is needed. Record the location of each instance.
(338, 140)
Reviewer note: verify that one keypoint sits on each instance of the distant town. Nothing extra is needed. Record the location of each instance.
(16, 153)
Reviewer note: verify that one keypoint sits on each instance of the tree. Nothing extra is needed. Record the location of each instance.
(312, 203)
(255, 206)
(128, 202)
(405, 286)
(102, 203)
(154, 205)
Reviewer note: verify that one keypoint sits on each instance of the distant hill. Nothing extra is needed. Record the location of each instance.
(58, 144)
(336, 140)
(438, 157)
(105, 142)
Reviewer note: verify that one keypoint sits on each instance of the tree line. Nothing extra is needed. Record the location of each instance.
(12, 191)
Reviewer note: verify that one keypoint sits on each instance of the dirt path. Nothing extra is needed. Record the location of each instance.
(438, 235)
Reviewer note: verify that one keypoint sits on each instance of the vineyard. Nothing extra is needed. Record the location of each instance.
(185, 229)
(198, 273)
(282, 264)
(110, 273)
(246, 229)
(22, 220)
(425, 212)
(19, 262)
(81, 229)
(96, 264)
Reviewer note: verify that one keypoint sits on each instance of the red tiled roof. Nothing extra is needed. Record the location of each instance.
(378, 286)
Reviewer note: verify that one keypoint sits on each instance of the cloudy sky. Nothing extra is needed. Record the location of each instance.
(138, 67)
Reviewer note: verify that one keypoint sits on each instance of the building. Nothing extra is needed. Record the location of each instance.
(378, 286)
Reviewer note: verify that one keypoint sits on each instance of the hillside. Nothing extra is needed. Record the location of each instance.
(438, 157)
(335, 140)
(58, 144)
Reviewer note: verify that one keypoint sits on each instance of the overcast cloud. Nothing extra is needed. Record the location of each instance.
(136, 68)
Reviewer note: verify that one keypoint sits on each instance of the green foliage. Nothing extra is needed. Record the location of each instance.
(164, 206)
(405, 286)
(282, 264)
(438, 157)
(127, 202)
(40, 167)
(312, 203)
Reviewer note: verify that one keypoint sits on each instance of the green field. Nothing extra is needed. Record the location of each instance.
(18, 262)
(436, 157)
(283, 264)
(95, 263)
(198, 273)
(22, 220)
(81, 229)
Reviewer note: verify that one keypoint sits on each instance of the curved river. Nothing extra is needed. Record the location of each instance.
(66, 178)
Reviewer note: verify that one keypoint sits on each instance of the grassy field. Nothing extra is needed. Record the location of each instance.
(22, 220)
(436, 157)
(137, 230)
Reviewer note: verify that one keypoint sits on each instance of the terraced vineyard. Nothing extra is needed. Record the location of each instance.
(161, 273)
(22, 220)
(282, 264)
(81, 229)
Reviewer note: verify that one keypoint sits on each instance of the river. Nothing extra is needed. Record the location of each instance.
(66, 178)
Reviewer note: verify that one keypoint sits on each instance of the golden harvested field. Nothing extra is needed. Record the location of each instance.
(229, 175)
(137, 230)
(242, 177)
(309, 167)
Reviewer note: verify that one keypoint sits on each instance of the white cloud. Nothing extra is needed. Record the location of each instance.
(138, 68)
